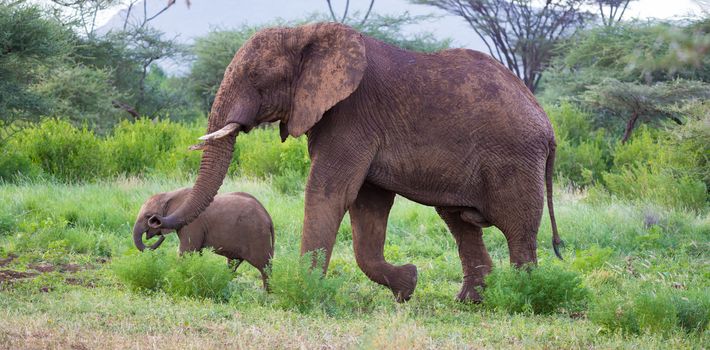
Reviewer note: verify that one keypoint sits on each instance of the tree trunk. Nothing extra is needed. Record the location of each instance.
(630, 127)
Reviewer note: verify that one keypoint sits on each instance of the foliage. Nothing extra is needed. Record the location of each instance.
(144, 146)
(541, 290)
(142, 270)
(30, 45)
(15, 164)
(389, 28)
(521, 34)
(213, 53)
(582, 153)
(635, 103)
(37, 216)
(298, 286)
(592, 258)
(663, 169)
(81, 95)
(199, 275)
(62, 150)
(651, 311)
(611, 11)
(261, 154)
(623, 52)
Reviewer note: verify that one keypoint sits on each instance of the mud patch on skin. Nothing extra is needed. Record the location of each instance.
(7, 276)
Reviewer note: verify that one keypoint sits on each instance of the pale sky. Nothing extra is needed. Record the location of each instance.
(664, 9)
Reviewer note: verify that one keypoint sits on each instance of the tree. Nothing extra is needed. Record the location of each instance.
(611, 11)
(344, 18)
(212, 53)
(390, 30)
(31, 45)
(644, 103)
(521, 34)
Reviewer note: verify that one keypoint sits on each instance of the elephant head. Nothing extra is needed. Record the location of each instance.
(159, 204)
(290, 75)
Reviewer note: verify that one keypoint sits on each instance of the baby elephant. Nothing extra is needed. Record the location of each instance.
(235, 225)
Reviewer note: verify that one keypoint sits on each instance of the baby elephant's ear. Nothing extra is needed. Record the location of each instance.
(332, 65)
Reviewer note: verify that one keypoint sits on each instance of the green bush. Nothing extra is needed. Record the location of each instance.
(665, 168)
(261, 154)
(541, 290)
(647, 310)
(297, 286)
(592, 258)
(693, 310)
(142, 271)
(201, 275)
(62, 150)
(14, 164)
(582, 152)
(658, 185)
(140, 147)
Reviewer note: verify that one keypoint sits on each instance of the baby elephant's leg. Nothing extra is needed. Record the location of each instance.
(265, 280)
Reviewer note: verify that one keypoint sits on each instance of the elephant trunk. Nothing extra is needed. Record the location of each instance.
(213, 168)
(138, 230)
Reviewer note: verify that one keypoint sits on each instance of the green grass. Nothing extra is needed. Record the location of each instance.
(647, 283)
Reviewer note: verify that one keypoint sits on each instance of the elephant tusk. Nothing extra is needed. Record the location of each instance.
(198, 147)
(226, 130)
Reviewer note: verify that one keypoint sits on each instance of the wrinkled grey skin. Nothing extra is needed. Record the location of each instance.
(235, 225)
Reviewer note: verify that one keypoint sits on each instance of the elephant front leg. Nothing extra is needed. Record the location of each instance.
(368, 216)
(475, 261)
(329, 192)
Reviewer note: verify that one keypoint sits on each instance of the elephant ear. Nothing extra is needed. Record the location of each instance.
(332, 65)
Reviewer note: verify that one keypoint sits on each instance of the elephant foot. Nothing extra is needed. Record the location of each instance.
(470, 293)
(404, 282)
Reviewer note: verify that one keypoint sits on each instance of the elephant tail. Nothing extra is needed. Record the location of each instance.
(549, 166)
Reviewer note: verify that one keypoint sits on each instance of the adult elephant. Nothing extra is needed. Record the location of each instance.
(455, 130)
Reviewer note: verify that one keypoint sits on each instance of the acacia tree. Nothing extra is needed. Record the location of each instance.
(344, 17)
(521, 34)
(611, 11)
(636, 103)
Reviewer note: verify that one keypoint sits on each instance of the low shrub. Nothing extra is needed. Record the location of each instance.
(260, 153)
(201, 275)
(15, 164)
(582, 153)
(62, 150)
(541, 290)
(648, 310)
(142, 271)
(658, 185)
(591, 259)
(141, 146)
(297, 286)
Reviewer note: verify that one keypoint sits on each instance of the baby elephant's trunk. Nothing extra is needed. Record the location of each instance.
(138, 231)
(138, 236)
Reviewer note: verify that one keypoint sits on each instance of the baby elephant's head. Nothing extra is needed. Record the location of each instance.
(160, 204)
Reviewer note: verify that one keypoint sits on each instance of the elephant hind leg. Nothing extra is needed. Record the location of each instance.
(368, 215)
(475, 261)
(519, 220)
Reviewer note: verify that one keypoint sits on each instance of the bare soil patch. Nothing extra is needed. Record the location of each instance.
(11, 275)
(8, 260)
